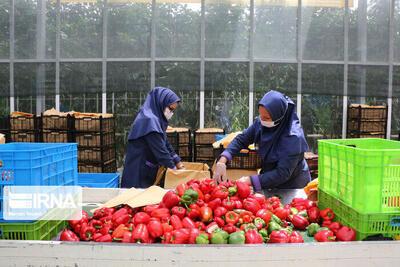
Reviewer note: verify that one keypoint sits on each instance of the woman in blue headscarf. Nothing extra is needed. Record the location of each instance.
(148, 147)
(280, 142)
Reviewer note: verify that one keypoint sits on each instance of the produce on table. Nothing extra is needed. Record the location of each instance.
(206, 213)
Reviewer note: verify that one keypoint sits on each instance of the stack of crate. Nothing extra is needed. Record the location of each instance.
(56, 127)
(95, 135)
(180, 139)
(365, 121)
(312, 162)
(25, 127)
(203, 144)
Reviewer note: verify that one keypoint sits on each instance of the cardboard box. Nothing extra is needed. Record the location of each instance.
(193, 170)
(2, 139)
(236, 174)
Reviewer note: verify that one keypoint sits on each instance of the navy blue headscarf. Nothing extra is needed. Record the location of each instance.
(287, 138)
(151, 115)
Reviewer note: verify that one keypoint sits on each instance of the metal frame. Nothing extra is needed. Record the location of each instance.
(202, 59)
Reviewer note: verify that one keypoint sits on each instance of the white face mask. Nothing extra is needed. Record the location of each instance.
(268, 124)
(168, 113)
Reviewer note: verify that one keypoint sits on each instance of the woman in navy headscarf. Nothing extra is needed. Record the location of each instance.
(279, 140)
(148, 147)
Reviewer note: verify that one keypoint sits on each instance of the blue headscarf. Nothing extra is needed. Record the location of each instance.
(151, 115)
(287, 138)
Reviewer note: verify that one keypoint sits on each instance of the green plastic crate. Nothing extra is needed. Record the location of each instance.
(363, 173)
(39, 230)
(365, 224)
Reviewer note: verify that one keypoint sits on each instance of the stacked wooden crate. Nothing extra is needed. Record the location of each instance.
(203, 144)
(365, 121)
(180, 139)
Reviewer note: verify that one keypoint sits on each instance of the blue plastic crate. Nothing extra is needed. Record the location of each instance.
(38, 164)
(99, 180)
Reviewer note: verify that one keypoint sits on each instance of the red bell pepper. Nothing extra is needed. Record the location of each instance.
(264, 214)
(196, 188)
(220, 211)
(188, 223)
(252, 205)
(176, 222)
(160, 213)
(207, 198)
(178, 211)
(68, 235)
(326, 223)
(105, 238)
(181, 189)
(193, 211)
(295, 237)
(206, 214)
(155, 229)
(180, 236)
(238, 204)
(200, 226)
(281, 236)
(231, 217)
(310, 204)
(87, 232)
(121, 216)
(103, 212)
(219, 221)
(107, 229)
(327, 214)
(246, 217)
(220, 192)
(252, 237)
(228, 204)
(243, 189)
(259, 197)
(193, 181)
(313, 215)
(282, 213)
(96, 237)
(166, 227)
(97, 224)
(207, 185)
(211, 227)
(149, 208)
(170, 199)
(334, 227)
(346, 234)
(325, 236)
(166, 238)
(194, 232)
(118, 233)
(141, 218)
(106, 220)
(200, 202)
(300, 222)
(229, 228)
(215, 203)
(76, 223)
(140, 234)
(127, 237)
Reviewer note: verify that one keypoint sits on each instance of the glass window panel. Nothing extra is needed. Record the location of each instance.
(129, 30)
(178, 29)
(178, 75)
(81, 30)
(227, 29)
(396, 31)
(368, 81)
(227, 95)
(275, 33)
(321, 117)
(322, 79)
(395, 131)
(4, 29)
(80, 86)
(369, 30)
(26, 104)
(128, 76)
(35, 29)
(4, 89)
(275, 76)
(323, 33)
(396, 81)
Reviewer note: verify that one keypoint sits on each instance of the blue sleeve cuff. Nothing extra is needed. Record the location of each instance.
(176, 158)
(227, 155)
(255, 180)
(174, 168)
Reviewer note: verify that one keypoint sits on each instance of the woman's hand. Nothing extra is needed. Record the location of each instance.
(180, 166)
(246, 180)
(219, 175)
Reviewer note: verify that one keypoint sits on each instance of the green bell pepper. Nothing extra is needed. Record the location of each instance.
(237, 238)
(202, 239)
(189, 196)
(232, 190)
(288, 229)
(312, 229)
(219, 237)
(258, 220)
(273, 226)
(250, 226)
(294, 210)
(276, 219)
(304, 214)
(264, 234)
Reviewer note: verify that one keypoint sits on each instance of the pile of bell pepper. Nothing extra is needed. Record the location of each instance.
(201, 212)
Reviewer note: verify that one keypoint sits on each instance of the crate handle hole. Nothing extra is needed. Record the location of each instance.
(395, 221)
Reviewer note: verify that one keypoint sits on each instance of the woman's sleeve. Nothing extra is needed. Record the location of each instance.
(158, 147)
(240, 142)
(277, 176)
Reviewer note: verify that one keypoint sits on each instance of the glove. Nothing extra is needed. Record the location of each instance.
(219, 175)
(245, 179)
